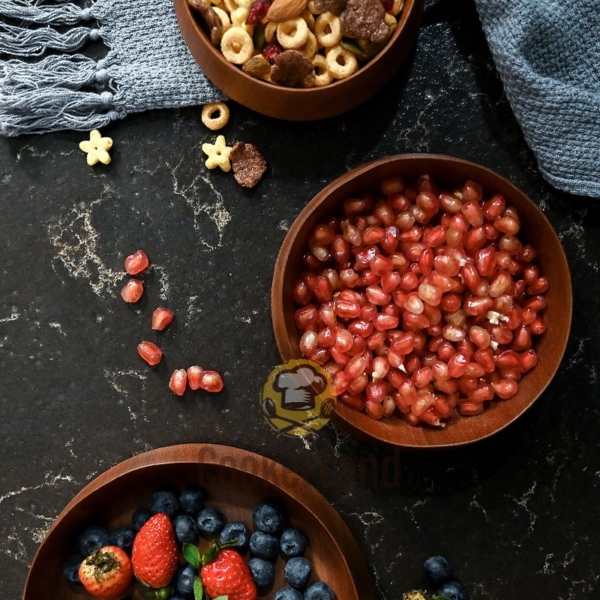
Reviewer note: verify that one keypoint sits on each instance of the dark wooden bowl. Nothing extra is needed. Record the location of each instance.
(300, 104)
(236, 481)
(536, 230)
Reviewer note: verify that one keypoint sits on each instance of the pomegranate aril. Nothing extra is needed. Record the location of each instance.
(194, 376)
(485, 357)
(358, 385)
(536, 304)
(136, 263)
(409, 282)
(505, 388)
(308, 342)
(414, 322)
(381, 367)
(150, 352)
(321, 356)
(538, 326)
(384, 322)
(388, 406)
(413, 303)
(528, 360)
(453, 333)
(457, 365)
(339, 383)
(132, 291)
(355, 367)
(301, 293)
(473, 213)
(178, 382)
(508, 359)
(211, 381)
(423, 402)
(344, 340)
(347, 310)
(470, 409)
(374, 409)
(507, 225)
(354, 402)
(539, 286)
(421, 377)
(161, 318)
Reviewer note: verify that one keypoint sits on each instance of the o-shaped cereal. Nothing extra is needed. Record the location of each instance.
(237, 46)
(312, 8)
(224, 17)
(341, 63)
(293, 33)
(310, 47)
(239, 17)
(322, 74)
(309, 18)
(230, 5)
(270, 31)
(328, 30)
(215, 115)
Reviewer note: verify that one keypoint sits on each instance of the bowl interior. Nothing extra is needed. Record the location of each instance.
(536, 230)
(236, 481)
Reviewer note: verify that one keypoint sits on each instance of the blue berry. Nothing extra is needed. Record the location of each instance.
(437, 569)
(264, 546)
(186, 530)
(210, 521)
(92, 538)
(176, 597)
(164, 502)
(287, 593)
(263, 574)
(183, 581)
(71, 568)
(297, 572)
(293, 543)
(452, 590)
(268, 518)
(319, 590)
(139, 518)
(236, 531)
(191, 502)
(123, 538)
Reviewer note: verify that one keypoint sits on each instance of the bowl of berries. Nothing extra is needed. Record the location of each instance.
(299, 60)
(436, 294)
(199, 522)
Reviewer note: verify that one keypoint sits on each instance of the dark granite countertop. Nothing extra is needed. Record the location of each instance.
(514, 514)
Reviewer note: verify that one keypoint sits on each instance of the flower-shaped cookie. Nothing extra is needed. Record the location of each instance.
(97, 148)
(218, 154)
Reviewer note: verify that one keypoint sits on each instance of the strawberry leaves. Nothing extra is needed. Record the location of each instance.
(192, 555)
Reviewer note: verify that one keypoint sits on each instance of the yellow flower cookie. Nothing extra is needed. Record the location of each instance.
(218, 154)
(97, 148)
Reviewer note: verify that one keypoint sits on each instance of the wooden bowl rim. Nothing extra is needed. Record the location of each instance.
(277, 312)
(314, 502)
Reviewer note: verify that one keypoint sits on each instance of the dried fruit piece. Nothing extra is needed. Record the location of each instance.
(211, 381)
(178, 382)
(258, 66)
(136, 263)
(272, 51)
(162, 317)
(282, 10)
(194, 377)
(258, 11)
(248, 164)
(150, 352)
(132, 291)
(209, 19)
(293, 69)
(365, 20)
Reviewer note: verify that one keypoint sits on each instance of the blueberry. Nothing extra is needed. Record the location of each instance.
(297, 571)
(139, 518)
(437, 569)
(164, 502)
(287, 593)
(293, 543)
(183, 581)
(319, 590)
(186, 530)
(123, 538)
(93, 538)
(71, 568)
(191, 502)
(210, 521)
(452, 590)
(264, 546)
(263, 574)
(176, 597)
(268, 518)
(236, 531)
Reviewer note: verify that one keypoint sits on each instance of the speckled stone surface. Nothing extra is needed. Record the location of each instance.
(515, 515)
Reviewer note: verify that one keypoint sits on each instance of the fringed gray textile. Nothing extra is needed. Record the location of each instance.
(148, 65)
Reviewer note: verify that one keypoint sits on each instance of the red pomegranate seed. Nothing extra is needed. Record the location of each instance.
(178, 382)
(538, 326)
(132, 291)
(358, 385)
(136, 263)
(354, 402)
(528, 360)
(374, 409)
(308, 343)
(211, 381)
(272, 51)
(301, 293)
(194, 376)
(505, 388)
(150, 352)
(161, 318)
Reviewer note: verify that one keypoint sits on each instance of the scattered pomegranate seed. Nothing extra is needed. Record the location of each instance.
(211, 381)
(194, 376)
(162, 317)
(150, 352)
(137, 262)
(178, 382)
(421, 301)
(132, 291)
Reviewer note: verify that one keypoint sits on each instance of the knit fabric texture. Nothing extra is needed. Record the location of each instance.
(548, 56)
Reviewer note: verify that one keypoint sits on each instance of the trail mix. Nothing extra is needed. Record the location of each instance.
(421, 300)
(297, 43)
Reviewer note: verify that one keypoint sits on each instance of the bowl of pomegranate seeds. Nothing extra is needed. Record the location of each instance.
(298, 60)
(436, 294)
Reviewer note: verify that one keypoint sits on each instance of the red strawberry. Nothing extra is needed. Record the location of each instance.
(106, 573)
(155, 556)
(226, 574)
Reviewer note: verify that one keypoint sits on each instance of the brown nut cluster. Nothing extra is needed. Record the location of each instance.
(293, 69)
(365, 20)
(248, 164)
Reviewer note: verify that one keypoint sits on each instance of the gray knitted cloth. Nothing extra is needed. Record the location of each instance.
(147, 66)
(548, 55)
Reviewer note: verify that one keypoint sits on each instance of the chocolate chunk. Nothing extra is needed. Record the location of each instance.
(333, 6)
(209, 19)
(364, 20)
(248, 164)
(293, 69)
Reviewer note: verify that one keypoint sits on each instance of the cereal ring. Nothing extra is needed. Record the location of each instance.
(239, 17)
(237, 46)
(230, 5)
(293, 33)
(322, 74)
(340, 62)
(245, 3)
(224, 18)
(391, 22)
(309, 18)
(311, 46)
(328, 30)
(215, 115)
(270, 31)
(312, 8)
(397, 8)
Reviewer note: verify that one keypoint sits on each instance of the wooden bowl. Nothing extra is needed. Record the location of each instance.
(300, 104)
(536, 230)
(236, 481)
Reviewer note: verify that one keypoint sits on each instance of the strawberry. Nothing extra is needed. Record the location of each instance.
(155, 556)
(106, 573)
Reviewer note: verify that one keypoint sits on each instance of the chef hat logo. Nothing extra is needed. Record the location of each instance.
(299, 387)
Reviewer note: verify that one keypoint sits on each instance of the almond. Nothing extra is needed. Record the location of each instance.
(282, 10)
